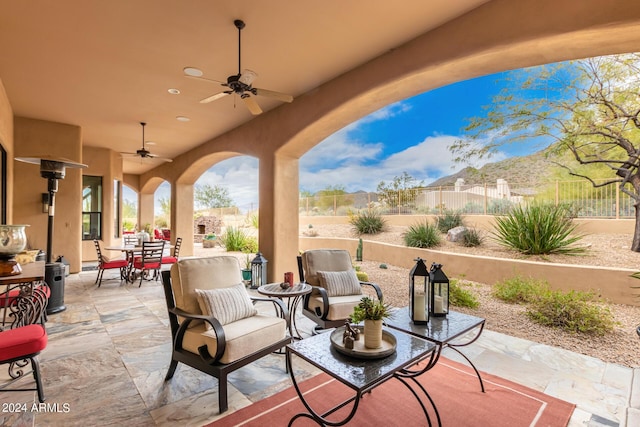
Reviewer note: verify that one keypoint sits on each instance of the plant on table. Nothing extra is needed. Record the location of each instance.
(372, 312)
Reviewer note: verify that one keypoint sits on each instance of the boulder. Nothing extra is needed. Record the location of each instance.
(455, 234)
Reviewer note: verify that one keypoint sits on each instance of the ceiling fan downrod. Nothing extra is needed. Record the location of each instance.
(239, 25)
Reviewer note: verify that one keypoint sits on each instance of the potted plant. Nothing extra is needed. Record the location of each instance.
(372, 312)
(246, 271)
(209, 240)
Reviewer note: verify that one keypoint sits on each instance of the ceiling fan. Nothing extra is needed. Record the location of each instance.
(143, 153)
(240, 84)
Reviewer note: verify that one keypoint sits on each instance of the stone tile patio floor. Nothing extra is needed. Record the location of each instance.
(108, 353)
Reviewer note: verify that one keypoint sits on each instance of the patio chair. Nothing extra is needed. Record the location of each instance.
(147, 265)
(336, 288)
(23, 336)
(236, 335)
(173, 258)
(104, 263)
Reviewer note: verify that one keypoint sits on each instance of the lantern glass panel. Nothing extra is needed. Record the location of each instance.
(418, 293)
(439, 291)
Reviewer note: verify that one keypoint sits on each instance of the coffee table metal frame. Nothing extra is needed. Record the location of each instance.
(294, 295)
(442, 331)
(361, 375)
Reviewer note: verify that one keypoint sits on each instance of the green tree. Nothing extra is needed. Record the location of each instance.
(129, 209)
(333, 195)
(401, 191)
(165, 206)
(212, 196)
(586, 110)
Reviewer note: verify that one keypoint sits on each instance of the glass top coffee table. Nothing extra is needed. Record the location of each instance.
(360, 375)
(443, 331)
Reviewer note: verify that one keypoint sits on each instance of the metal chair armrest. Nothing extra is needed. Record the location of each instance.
(279, 304)
(221, 343)
(375, 286)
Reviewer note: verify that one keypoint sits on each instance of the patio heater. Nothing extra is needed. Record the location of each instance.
(53, 169)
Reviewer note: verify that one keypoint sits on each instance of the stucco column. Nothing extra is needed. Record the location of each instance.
(278, 220)
(182, 216)
(145, 210)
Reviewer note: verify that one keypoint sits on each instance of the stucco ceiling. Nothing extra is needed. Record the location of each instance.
(107, 65)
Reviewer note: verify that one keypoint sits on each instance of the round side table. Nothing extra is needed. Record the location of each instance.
(294, 295)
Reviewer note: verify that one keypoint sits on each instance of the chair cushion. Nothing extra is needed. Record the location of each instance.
(23, 341)
(324, 260)
(190, 274)
(116, 263)
(169, 260)
(338, 283)
(226, 304)
(242, 338)
(339, 307)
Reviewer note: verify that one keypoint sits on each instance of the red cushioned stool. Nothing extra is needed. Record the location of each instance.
(20, 346)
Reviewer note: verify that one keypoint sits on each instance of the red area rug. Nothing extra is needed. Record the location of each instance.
(454, 388)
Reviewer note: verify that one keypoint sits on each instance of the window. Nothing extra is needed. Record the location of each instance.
(117, 186)
(91, 207)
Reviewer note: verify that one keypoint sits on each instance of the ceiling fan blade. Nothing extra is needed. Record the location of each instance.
(271, 94)
(251, 104)
(247, 77)
(214, 97)
(206, 79)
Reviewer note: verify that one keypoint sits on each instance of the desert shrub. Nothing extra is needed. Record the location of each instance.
(461, 297)
(422, 235)
(571, 311)
(539, 228)
(368, 222)
(362, 276)
(472, 238)
(449, 220)
(519, 290)
(235, 239)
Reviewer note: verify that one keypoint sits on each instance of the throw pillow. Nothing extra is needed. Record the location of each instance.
(226, 304)
(338, 283)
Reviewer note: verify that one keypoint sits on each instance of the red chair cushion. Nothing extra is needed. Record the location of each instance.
(137, 263)
(157, 234)
(167, 234)
(169, 260)
(116, 263)
(22, 341)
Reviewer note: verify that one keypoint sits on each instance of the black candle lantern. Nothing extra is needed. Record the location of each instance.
(418, 293)
(438, 291)
(258, 271)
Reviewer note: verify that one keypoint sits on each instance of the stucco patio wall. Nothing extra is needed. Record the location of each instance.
(612, 284)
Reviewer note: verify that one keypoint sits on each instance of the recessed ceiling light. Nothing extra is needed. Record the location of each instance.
(182, 119)
(173, 91)
(192, 71)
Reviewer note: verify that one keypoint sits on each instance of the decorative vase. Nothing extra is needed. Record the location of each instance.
(372, 333)
(13, 240)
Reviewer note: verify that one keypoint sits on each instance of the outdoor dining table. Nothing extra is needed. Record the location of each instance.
(131, 251)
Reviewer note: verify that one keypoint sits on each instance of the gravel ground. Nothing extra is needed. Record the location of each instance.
(622, 346)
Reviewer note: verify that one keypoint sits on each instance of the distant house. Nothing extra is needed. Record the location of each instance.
(461, 196)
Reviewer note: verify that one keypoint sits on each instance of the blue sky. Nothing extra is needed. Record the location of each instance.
(412, 135)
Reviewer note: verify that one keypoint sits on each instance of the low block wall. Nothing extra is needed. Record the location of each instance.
(612, 284)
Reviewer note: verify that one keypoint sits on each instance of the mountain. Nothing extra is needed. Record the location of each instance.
(530, 169)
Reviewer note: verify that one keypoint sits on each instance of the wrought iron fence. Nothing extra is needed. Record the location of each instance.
(488, 199)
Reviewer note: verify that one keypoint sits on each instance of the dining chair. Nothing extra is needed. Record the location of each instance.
(147, 265)
(173, 258)
(104, 263)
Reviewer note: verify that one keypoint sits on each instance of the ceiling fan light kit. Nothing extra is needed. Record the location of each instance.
(239, 84)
